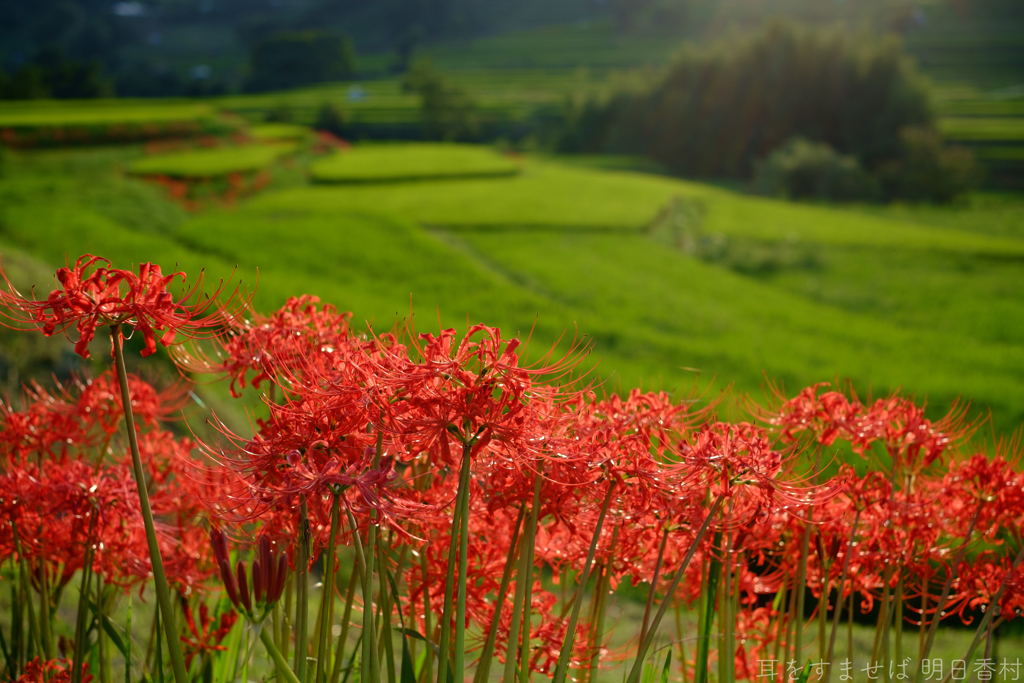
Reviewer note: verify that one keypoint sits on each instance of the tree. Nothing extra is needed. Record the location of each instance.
(447, 111)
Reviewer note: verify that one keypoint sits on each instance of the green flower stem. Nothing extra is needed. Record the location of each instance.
(801, 592)
(367, 579)
(522, 575)
(163, 593)
(24, 587)
(839, 597)
(302, 594)
(570, 633)
(46, 622)
(428, 661)
(286, 615)
(727, 656)
(941, 605)
(600, 608)
(279, 661)
(898, 618)
(634, 674)
(106, 673)
(327, 595)
(386, 607)
(454, 546)
(339, 649)
(77, 660)
(483, 669)
(370, 657)
(524, 653)
(460, 607)
(654, 586)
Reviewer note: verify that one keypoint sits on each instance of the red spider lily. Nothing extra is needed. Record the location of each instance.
(81, 416)
(468, 393)
(59, 511)
(979, 582)
(52, 671)
(91, 293)
(269, 571)
(276, 345)
(207, 635)
(912, 441)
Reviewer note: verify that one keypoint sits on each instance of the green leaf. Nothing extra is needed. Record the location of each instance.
(408, 674)
(128, 639)
(805, 674)
(109, 629)
(227, 660)
(433, 646)
(668, 666)
(421, 658)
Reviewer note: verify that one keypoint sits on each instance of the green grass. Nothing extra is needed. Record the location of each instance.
(377, 163)
(981, 129)
(278, 131)
(36, 113)
(921, 298)
(208, 163)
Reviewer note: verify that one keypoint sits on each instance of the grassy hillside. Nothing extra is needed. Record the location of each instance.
(211, 162)
(391, 163)
(924, 299)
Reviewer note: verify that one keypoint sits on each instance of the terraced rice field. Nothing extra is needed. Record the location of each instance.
(208, 163)
(662, 276)
(380, 163)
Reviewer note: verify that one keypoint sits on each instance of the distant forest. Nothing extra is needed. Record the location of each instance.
(82, 48)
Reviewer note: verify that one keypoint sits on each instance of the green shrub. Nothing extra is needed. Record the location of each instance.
(928, 170)
(802, 169)
(330, 118)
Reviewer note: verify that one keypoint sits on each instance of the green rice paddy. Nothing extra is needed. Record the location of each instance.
(48, 113)
(382, 163)
(980, 129)
(208, 163)
(278, 131)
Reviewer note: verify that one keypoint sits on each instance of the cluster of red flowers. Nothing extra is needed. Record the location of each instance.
(384, 426)
(430, 401)
(66, 486)
(91, 294)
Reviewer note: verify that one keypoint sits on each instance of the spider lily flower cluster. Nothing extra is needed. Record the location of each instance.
(470, 511)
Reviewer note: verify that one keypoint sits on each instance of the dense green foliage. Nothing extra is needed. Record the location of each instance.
(928, 170)
(292, 59)
(51, 74)
(812, 170)
(717, 112)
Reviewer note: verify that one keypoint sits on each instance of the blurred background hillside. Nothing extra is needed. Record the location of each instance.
(806, 190)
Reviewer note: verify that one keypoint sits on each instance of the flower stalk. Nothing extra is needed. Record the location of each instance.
(163, 593)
